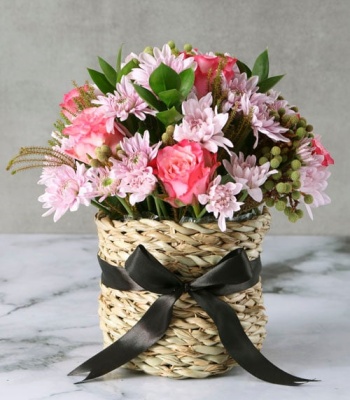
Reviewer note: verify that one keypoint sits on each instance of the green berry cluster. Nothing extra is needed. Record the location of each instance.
(282, 189)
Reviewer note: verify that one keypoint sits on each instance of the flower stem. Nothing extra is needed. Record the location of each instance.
(100, 206)
(126, 206)
(158, 206)
(197, 210)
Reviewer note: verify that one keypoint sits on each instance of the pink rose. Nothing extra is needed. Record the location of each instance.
(206, 70)
(185, 170)
(68, 105)
(88, 131)
(320, 149)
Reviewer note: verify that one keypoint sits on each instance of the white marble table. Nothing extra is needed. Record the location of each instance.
(49, 323)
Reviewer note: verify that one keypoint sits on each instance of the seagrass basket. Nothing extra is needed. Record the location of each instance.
(191, 347)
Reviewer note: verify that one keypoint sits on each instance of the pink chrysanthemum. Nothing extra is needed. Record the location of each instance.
(261, 121)
(313, 174)
(202, 124)
(138, 145)
(66, 189)
(103, 183)
(221, 200)
(138, 184)
(148, 63)
(132, 171)
(314, 182)
(122, 103)
(250, 175)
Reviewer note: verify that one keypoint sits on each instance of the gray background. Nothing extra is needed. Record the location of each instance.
(47, 44)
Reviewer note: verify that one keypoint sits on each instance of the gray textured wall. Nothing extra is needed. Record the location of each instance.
(46, 44)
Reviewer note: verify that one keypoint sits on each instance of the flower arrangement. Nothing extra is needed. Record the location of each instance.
(175, 134)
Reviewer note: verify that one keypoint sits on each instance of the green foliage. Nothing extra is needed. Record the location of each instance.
(261, 69)
(101, 81)
(109, 72)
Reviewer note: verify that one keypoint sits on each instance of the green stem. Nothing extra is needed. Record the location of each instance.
(197, 210)
(100, 206)
(126, 206)
(158, 207)
(244, 196)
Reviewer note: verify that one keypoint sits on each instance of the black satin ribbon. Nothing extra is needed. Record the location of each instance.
(232, 274)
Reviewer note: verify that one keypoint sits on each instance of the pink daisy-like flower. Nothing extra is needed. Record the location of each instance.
(122, 103)
(314, 182)
(261, 120)
(140, 144)
(103, 183)
(313, 174)
(202, 124)
(148, 63)
(221, 200)
(66, 189)
(250, 175)
(138, 183)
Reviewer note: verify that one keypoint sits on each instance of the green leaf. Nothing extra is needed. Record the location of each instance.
(109, 72)
(170, 97)
(127, 68)
(164, 78)
(169, 117)
(187, 81)
(119, 59)
(101, 81)
(226, 178)
(268, 83)
(244, 68)
(261, 66)
(149, 97)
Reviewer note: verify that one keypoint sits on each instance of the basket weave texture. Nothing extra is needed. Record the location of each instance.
(191, 347)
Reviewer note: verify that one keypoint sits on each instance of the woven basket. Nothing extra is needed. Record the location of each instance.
(191, 347)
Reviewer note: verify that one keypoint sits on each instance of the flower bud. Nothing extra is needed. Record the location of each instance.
(295, 175)
(103, 153)
(300, 132)
(295, 164)
(171, 44)
(263, 160)
(270, 202)
(269, 185)
(280, 205)
(275, 163)
(309, 128)
(188, 47)
(148, 50)
(281, 187)
(296, 195)
(300, 213)
(308, 199)
(293, 217)
(95, 163)
(277, 176)
(275, 151)
(293, 119)
(296, 184)
(288, 187)
(167, 137)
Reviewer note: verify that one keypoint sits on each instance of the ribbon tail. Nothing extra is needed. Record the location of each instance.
(148, 330)
(238, 345)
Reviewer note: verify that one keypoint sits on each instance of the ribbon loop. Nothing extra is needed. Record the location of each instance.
(232, 274)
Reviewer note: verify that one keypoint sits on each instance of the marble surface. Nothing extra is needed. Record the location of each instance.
(49, 323)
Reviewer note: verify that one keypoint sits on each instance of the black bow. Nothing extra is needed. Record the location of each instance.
(232, 274)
